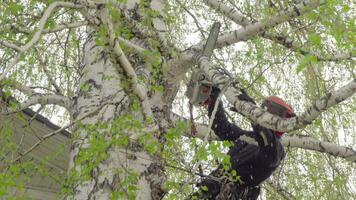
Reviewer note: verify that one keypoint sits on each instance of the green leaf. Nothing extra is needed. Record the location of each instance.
(305, 61)
(315, 39)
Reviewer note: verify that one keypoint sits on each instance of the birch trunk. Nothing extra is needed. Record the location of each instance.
(125, 171)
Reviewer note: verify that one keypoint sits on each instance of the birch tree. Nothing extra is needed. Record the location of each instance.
(114, 73)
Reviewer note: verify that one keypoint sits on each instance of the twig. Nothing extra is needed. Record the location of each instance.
(45, 137)
(37, 34)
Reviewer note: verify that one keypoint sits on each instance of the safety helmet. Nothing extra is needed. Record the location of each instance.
(277, 106)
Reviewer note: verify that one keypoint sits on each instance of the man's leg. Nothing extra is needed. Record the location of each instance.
(253, 193)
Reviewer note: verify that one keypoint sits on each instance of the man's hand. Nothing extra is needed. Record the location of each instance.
(244, 97)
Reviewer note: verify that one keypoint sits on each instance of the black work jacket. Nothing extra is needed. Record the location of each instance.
(254, 163)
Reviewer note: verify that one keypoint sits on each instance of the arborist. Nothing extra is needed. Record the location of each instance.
(254, 154)
(254, 161)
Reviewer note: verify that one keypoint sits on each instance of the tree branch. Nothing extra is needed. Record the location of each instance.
(266, 119)
(188, 57)
(45, 99)
(37, 34)
(310, 143)
(255, 28)
(302, 142)
(138, 89)
(285, 41)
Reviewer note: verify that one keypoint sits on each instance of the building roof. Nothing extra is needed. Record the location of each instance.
(27, 128)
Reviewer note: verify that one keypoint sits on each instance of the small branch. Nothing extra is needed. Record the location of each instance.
(66, 26)
(196, 21)
(37, 34)
(138, 89)
(10, 45)
(53, 30)
(281, 191)
(133, 46)
(49, 76)
(49, 135)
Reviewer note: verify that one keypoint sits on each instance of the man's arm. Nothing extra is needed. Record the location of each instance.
(221, 126)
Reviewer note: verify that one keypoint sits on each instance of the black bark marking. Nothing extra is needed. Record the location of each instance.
(321, 147)
(235, 34)
(296, 10)
(93, 83)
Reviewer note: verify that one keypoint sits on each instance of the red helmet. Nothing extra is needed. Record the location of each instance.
(277, 106)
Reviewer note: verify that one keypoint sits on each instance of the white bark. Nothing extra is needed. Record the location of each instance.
(310, 143)
(263, 117)
(253, 29)
(286, 41)
(111, 61)
(105, 177)
(189, 58)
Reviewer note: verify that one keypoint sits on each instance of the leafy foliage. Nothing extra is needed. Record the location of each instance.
(300, 74)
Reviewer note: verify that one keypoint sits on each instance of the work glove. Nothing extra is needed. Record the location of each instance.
(243, 97)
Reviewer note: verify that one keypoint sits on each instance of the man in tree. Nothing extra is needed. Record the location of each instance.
(254, 154)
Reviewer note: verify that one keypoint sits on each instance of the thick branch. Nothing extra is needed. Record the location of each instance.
(187, 59)
(255, 28)
(310, 143)
(302, 142)
(286, 41)
(268, 120)
(45, 99)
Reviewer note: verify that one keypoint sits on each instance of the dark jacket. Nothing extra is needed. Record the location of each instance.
(253, 163)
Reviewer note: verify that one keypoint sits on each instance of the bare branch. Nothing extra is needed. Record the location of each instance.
(49, 76)
(65, 26)
(310, 143)
(45, 99)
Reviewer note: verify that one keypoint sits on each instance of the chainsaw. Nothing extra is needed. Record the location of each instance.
(199, 87)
